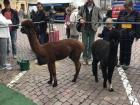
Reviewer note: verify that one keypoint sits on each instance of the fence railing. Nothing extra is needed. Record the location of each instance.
(60, 27)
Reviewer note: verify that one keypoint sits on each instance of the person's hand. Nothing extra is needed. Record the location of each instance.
(68, 23)
(82, 21)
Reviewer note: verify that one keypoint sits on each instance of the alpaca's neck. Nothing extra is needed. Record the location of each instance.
(34, 42)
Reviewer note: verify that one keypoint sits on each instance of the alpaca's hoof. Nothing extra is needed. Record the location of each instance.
(49, 82)
(74, 80)
(55, 84)
(104, 86)
(111, 90)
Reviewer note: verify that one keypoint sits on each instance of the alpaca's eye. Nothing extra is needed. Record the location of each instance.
(23, 26)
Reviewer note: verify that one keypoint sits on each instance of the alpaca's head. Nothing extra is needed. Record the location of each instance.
(27, 27)
(114, 36)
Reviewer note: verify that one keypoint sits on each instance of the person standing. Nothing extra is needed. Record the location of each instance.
(127, 32)
(32, 14)
(12, 15)
(89, 14)
(67, 21)
(74, 34)
(52, 13)
(42, 26)
(21, 13)
(107, 29)
(4, 36)
(108, 14)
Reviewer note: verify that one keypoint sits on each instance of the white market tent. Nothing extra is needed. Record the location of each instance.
(76, 2)
(54, 1)
(33, 7)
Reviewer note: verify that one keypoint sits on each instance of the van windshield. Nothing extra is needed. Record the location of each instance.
(137, 0)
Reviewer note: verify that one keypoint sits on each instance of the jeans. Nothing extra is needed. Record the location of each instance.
(68, 32)
(43, 38)
(3, 51)
(88, 37)
(13, 35)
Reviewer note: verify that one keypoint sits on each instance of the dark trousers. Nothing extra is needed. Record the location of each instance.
(13, 36)
(3, 52)
(126, 42)
(68, 32)
(43, 37)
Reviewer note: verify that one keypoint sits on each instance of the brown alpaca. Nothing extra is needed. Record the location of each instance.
(52, 52)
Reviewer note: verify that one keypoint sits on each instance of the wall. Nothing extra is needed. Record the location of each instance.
(16, 4)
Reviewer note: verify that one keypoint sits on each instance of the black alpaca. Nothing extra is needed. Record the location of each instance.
(105, 52)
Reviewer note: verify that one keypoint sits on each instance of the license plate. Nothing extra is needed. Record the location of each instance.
(126, 25)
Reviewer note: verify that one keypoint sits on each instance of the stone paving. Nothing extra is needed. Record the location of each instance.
(23, 52)
(84, 92)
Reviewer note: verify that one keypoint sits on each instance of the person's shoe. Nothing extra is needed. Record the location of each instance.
(8, 66)
(85, 62)
(89, 62)
(36, 61)
(125, 67)
(15, 56)
(2, 68)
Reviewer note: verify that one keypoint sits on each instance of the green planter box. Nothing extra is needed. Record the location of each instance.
(24, 65)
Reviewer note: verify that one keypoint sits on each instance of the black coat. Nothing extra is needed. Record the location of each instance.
(105, 33)
(38, 17)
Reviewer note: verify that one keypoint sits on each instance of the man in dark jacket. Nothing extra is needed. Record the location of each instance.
(41, 27)
(13, 16)
(128, 32)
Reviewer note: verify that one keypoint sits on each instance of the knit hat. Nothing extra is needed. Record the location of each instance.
(6, 2)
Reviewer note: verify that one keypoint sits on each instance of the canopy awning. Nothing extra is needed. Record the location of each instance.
(54, 1)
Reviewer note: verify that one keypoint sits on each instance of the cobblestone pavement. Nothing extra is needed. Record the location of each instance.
(84, 92)
(23, 52)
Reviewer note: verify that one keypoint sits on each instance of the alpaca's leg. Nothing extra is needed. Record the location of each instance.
(110, 73)
(77, 68)
(94, 69)
(75, 57)
(51, 76)
(53, 70)
(104, 73)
